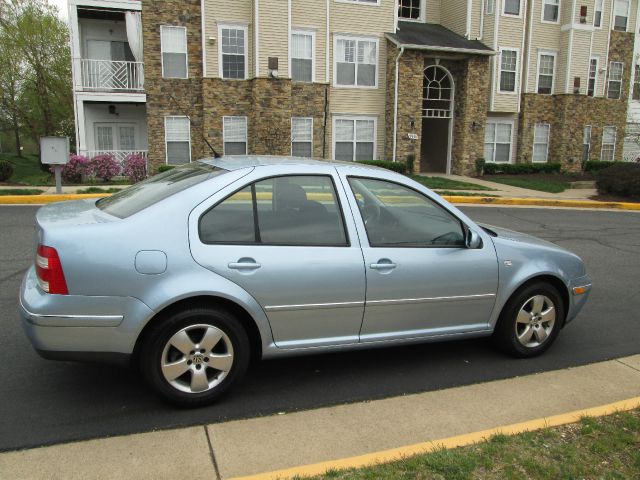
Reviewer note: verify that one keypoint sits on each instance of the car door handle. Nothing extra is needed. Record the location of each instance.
(244, 264)
(383, 264)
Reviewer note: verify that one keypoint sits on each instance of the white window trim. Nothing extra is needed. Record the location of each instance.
(557, 22)
(291, 135)
(502, 122)
(546, 155)
(511, 15)
(420, 19)
(609, 80)
(590, 139)
(613, 20)
(166, 153)
(312, 33)
(599, 27)
(360, 2)
(354, 118)
(186, 53)
(634, 78)
(489, 11)
(595, 84)
(615, 140)
(343, 36)
(235, 26)
(517, 72)
(549, 53)
(246, 132)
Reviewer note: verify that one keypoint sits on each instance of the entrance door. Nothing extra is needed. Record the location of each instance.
(115, 136)
(437, 112)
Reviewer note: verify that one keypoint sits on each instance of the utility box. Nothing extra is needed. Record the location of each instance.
(54, 150)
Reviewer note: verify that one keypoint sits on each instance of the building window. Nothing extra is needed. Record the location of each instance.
(608, 144)
(620, 15)
(541, 142)
(614, 89)
(234, 134)
(508, 69)
(497, 142)
(512, 7)
(173, 44)
(586, 143)
(489, 7)
(232, 46)
(302, 137)
(356, 61)
(409, 9)
(593, 73)
(636, 83)
(354, 138)
(546, 64)
(302, 50)
(597, 14)
(177, 135)
(551, 11)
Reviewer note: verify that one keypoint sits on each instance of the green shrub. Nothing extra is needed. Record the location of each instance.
(6, 170)
(521, 168)
(620, 179)
(165, 168)
(480, 166)
(399, 167)
(597, 165)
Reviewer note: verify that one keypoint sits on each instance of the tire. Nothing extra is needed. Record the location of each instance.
(195, 356)
(530, 321)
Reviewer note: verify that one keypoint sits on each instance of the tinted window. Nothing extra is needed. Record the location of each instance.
(291, 210)
(397, 216)
(144, 194)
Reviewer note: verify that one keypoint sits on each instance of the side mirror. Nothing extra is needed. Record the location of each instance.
(473, 240)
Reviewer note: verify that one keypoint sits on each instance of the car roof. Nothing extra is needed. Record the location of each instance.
(235, 162)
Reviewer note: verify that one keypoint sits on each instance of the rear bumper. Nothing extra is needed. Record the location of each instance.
(73, 327)
(576, 302)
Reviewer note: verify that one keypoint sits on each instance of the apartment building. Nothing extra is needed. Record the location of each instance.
(437, 83)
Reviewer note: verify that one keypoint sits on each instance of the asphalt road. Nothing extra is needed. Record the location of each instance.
(44, 402)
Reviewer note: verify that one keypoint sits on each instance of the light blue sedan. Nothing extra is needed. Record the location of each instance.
(194, 272)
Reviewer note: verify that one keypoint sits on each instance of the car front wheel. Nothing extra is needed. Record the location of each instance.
(194, 356)
(530, 321)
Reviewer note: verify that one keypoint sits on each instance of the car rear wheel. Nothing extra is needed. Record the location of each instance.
(194, 356)
(530, 321)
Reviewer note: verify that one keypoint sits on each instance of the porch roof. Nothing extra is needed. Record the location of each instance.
(431, 36)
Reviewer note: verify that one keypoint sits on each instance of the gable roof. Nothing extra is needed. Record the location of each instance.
(431, 36)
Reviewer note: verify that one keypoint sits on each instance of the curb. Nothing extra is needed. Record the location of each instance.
(539, 202)
(394, 454)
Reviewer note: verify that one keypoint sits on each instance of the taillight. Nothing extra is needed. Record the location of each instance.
(49, 271)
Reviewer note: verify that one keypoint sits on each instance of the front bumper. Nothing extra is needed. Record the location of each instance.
(577, 301)
(74, 327)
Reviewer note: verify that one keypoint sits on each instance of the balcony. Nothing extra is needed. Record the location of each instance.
(119, 155)
(111, 75)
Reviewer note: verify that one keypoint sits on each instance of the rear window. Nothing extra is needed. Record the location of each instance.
(148, 192)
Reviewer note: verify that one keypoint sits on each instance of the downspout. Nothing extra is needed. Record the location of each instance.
(203, 39)
(395, 103)
(326, 45)
(468, 34)
(256, 35)
(482, 8)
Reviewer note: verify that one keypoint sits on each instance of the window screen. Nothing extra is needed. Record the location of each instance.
(174, 51)
(178, 140)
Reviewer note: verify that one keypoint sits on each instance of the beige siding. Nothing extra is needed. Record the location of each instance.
(580, 59)
(510, 35)
(273, 38)
(476, 13)
(311, 15)
(454, 16)
(544, 36)
(600, 45)
(225, 11)
(432, 11)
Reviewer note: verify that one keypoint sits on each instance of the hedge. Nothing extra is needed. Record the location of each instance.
(521, 168)
(621, 179)
(597, 165)
(165, 168)
(399, 167)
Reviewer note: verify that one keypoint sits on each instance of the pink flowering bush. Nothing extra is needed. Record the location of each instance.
(135, 167)
(72, 172)
(105, 166)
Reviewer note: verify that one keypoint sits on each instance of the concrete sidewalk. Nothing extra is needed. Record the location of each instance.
(279, 442)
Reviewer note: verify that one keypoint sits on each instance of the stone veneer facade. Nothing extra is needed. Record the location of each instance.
(567, 114)
(471, 83)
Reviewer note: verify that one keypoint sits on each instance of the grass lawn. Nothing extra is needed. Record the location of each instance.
(543, 185)
(26, 170)
(602, 448)
(464, 194)
(19, 191)
(99, 190)
(445, 183)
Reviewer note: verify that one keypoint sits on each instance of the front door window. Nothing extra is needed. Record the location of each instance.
(115, 136)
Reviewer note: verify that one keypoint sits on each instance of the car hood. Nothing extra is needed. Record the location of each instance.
(513, 236)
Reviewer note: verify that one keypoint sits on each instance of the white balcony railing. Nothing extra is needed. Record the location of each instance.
(119, 155)
(109, 75)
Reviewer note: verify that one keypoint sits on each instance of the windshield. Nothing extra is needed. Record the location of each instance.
(152, 190)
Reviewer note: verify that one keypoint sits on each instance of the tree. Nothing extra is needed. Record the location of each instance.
(35, 64)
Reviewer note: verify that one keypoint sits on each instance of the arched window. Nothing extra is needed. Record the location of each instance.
(437, 92)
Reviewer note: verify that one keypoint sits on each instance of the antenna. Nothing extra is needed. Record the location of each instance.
(171, 97)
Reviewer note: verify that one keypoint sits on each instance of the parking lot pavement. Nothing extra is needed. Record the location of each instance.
(52, 402)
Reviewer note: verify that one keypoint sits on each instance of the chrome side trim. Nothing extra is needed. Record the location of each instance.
(310, 306)
(430, 299)
(68, 320)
